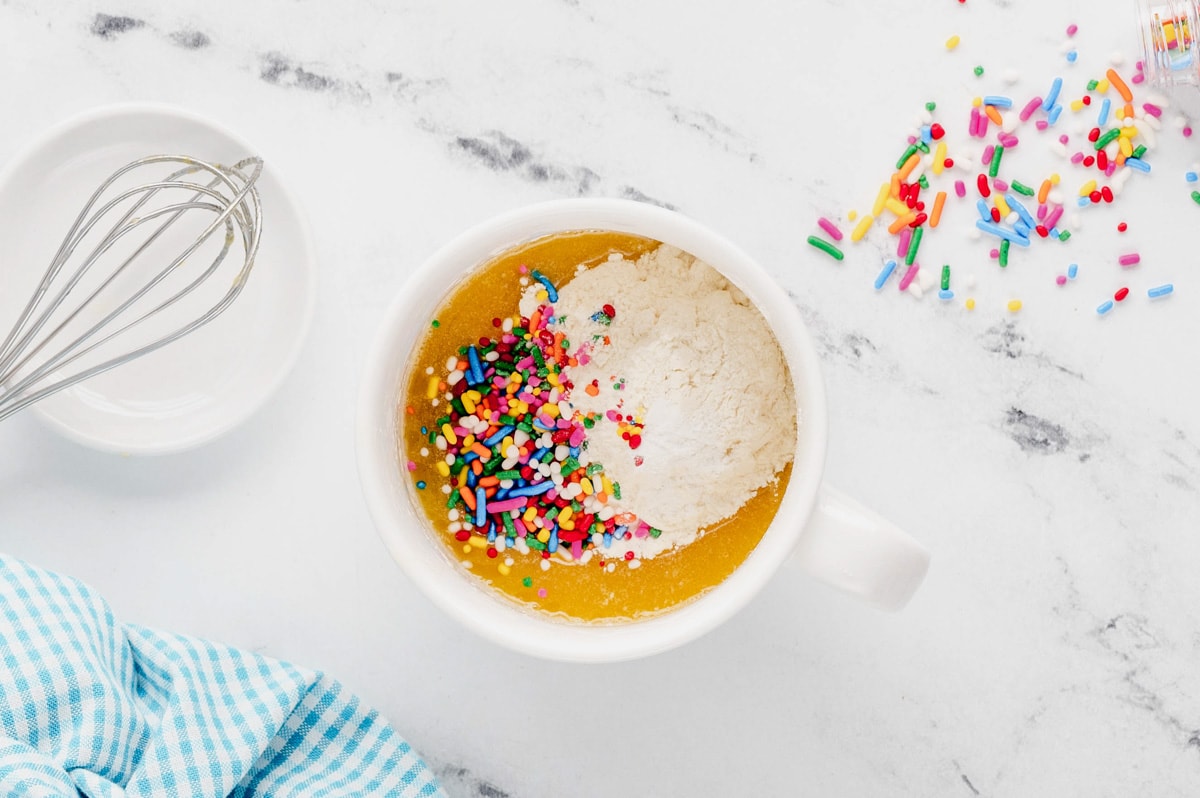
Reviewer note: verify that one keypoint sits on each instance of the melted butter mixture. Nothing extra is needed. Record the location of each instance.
(586, 592)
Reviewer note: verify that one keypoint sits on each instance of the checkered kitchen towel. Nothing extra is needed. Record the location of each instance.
(92, 707)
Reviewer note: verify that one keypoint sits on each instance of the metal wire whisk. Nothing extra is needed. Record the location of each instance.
(34, 363)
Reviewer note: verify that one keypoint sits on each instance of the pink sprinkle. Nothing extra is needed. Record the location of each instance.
(576, 549)
(576, 437)
(1077, 158)
(1064, 138)
(1130, 260)
(1139, 66)
(1041, 124)
(541, 590)
(1029, 108)
(1061, 279)
(905, 239)
(1138, 77)
(611, 415)
(831, 228)
(1041, 211)
(1110, 169)
(1072, 29)
(912, 139)
(909, 276)
(1053, 217)
(519, 525)
(999, 185)
(412, 466)
(960, 188)
(988, 152)
(973, 128)
(983, 125)
(1009, 141)
(994, 254)
(1187, 131)
(1152, 109)
(523, 268)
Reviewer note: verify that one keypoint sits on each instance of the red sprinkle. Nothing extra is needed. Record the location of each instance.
(1121, 294)
(609, 311)
(996, 215)
(1106, 192)
(1090, 160)
(1087, 99)
(949, 162)
(918, 220)
(1042, 231)
(1096, 196)
(462, 536)
(1101, 160)
(1122, 227)
(982, 183)
(629, 555)
(936, 131)
(1094, 135)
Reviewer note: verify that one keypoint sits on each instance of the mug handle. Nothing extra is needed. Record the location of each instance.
(856, 550)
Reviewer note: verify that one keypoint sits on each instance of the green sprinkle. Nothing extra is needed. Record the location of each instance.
(534, 544)
(576, 506)
(946, 277)
(1021, 188)
(826, 247)
(589, 422)
(570, 466)
(930, 106)
(1107, 138)
(1063, 235)
(997, 154)
(978, 71)
(923, 181)
(912, 148)
(1004, 252)
(507, 420)
(435, 323)
(455, 498)
(923, 147)
(1092, 84)
(508, 525)
(655, 532)
(1196, 197)
(1140, 151)
(594, 469)
(617, 485)
(527, 581)
(913, 244)
(551, 514)
(510, 474)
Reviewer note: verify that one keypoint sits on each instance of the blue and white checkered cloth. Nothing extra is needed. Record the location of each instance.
(92, 707)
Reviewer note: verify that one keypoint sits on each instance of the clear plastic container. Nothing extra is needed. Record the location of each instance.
(1171, 51)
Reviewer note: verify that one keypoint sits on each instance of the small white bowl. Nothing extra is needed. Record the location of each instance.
(205, 384)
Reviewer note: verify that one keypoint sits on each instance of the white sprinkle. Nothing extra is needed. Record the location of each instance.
(1010, 76)
(545, 565)
(424, 451)
(1059, 149)
(467, 564)
(1116, 59)
(446, 489)
(451, 364)
(635, 564)
(429, 370)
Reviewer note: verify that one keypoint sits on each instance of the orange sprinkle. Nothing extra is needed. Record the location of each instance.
(894, 189)
(900, 223)
(909, 165)
(535, 318)
(1119, 85)
(591, 389)
(1129, 112)
(484, 452)
(477, 467)
(936, 215)
(488, 482)
(993, 115)
(468, 496)
(1044, 192)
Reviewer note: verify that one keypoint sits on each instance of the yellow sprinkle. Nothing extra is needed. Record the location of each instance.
(952, 42)
(1126, 147)
(542, 296)
(1128, 132)
(443, 468)
(939, 157)
(568, 525)
(1014, 305)
(549, 409)
(478, 541)
(586, 484)
(565, 515)
(851, 215)
(1076, 105)
(503, 569)
(468, 404)
(1102, 85)
(977, 102)
(466, 550)
(530, 514)
(1002, 206)
(970, 303)
(860, 229)
(1119, 113)
(448, 432)
(431, 392)
(552, 378)
(1054, 179)
(1087, 188)
(608, 488)
(543, 536)
(897, 207)
(880, 199)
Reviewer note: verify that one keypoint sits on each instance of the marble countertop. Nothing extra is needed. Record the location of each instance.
(1049, 458)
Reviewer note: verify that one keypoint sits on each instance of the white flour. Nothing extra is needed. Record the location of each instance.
(702, 371)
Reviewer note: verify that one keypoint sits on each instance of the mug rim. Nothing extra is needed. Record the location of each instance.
(408, 534)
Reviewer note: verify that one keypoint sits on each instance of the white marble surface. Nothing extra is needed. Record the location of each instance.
(1050, 459)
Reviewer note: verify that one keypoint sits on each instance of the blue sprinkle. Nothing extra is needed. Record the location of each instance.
(926, 134)
(552, 545)
(1191, 177)
(1052, 97)
(1021, 210)
(945, 293)
(1023, 228)
(472, 478)
(1083, 202)
(424, 430)
(1138, 164)
(500, 435)
(1160, 290)
(480, 508)
(536, 489)
(607, 540)
(997, 101)
(1003, 232)
(1072, 270)
(476, 368)
(420, 484)
(1071, 56)
(575, 451)
(551, 293)
(491, 533)
(1105, 107)
(985, 212)
(469, 456)
(1053, 115)
(1054, 232)
(884, 274)
(1105, 307)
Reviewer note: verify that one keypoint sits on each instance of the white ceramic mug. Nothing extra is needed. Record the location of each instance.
(831, 535)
